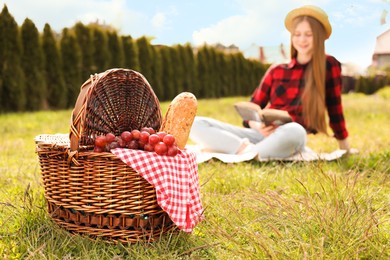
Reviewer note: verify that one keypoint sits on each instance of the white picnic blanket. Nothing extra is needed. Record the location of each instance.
(306, 155)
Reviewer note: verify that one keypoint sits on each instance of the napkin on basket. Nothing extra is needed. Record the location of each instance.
(175, 179)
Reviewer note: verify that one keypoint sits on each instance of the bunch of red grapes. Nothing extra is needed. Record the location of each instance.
(146, 139)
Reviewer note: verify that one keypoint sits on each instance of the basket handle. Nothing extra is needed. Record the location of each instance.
(78, 113)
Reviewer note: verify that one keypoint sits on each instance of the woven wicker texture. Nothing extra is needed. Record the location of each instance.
(96, 193)
(113, 101)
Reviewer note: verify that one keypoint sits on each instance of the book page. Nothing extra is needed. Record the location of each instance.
(249, 111)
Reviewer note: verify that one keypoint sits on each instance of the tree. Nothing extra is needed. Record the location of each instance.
(101, 54)
(12, 92)
(190, 83)
(237, 70)
(156, 79)
(222, 73)
(56, 90)
(204, 72)
(116, 49)
(33, 65)
(130, 50)
(168, 86)
(246, 88)
(145, 57)
(178, 69)
(214, 76)
(84, 39)
(71, 55)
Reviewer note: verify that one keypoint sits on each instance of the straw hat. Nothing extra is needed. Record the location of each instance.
(312, 11)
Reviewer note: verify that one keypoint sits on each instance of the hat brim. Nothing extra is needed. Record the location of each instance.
(311, 11)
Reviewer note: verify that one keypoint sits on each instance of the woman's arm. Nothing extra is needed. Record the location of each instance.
(333, 98)
(261, 95)
(344, 144)
(262, 128)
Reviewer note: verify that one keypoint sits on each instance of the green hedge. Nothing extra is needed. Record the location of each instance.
(45, 70)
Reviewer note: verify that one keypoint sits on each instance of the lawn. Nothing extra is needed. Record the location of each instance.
(253, 210)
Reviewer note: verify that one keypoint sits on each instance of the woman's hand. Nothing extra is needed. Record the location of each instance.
(344, 144)
(262, 128)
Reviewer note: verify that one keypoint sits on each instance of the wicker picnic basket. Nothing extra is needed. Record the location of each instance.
(96, 193)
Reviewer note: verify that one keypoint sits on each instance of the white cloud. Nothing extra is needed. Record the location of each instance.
(354, 14)
(261, 22)
(65, 13)
(254, 22)
(162, 19)
(159, 20)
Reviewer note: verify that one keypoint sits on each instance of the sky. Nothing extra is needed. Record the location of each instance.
(243, 23)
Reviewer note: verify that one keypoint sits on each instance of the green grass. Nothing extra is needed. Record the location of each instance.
(274, 210)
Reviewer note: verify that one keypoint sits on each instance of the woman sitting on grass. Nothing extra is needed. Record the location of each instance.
(305, 89)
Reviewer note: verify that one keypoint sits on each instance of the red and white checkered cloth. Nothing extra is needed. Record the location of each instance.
(175, 179)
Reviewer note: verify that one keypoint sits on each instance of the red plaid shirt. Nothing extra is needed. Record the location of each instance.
(282, 87)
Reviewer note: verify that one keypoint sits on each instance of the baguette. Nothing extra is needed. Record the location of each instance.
(179, 117)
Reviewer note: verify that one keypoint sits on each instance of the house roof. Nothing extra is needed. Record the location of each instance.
(382, 45)
(268, 54)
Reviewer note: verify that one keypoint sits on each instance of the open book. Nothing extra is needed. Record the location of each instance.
(252, 111)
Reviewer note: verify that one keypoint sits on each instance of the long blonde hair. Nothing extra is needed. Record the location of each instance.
(313, 97)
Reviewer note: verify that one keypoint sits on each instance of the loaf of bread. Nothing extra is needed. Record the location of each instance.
(179, 117)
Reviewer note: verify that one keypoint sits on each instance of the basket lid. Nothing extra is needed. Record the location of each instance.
(57, 139)
(114, 101)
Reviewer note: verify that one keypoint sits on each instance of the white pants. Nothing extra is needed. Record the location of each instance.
(217, 136)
